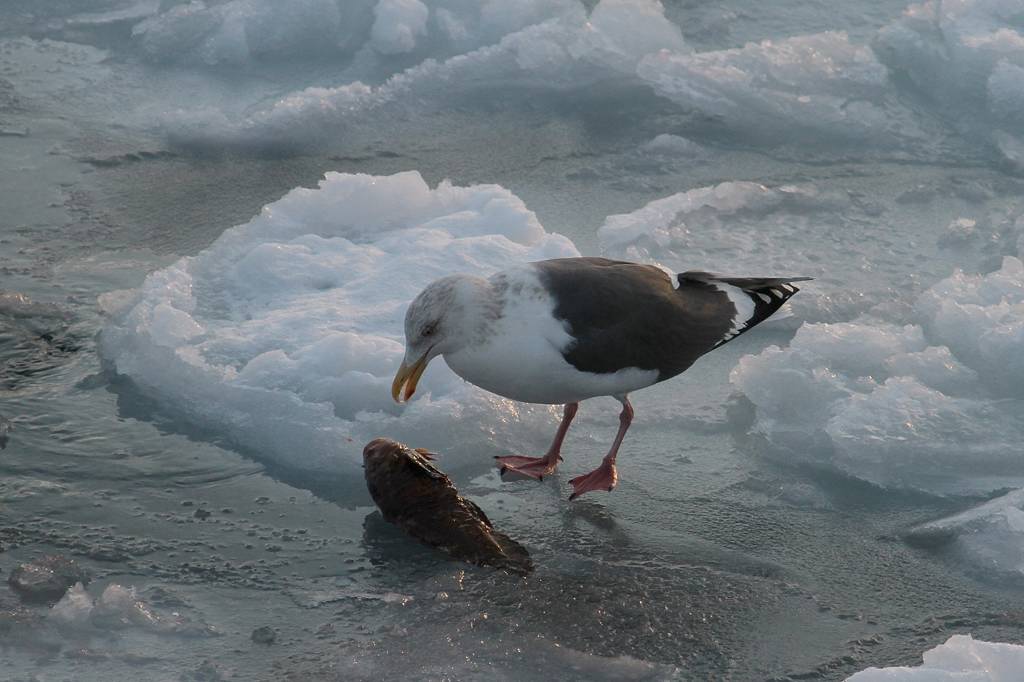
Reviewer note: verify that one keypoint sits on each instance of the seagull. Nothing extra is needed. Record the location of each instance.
(564, 330)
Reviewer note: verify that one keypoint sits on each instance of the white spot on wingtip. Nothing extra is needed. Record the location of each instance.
(776, 292)
(740, 301)
(764, 297)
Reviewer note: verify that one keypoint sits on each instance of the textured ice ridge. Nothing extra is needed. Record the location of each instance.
(284, 334)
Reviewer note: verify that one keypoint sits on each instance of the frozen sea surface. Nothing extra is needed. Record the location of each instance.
(214, 213)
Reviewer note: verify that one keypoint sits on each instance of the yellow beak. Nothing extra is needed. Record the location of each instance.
(408, 377)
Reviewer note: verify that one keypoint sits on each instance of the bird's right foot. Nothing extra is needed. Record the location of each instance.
(532, 467)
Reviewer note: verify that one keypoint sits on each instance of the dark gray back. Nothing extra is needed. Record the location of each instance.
(628, 315)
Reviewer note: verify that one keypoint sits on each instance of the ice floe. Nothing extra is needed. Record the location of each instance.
(960, 659)
(989, 538)
(239, 31)
(285, 333)
(964, 59)
(934, 406)
(799, 86)
(957, 61)
(566, 49)
(360, 32)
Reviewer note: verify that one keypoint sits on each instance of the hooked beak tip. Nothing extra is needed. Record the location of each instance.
(406, 378)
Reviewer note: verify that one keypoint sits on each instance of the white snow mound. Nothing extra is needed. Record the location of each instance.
(285, 333)
(961, 659)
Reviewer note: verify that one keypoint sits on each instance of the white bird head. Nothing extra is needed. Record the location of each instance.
(436, 323)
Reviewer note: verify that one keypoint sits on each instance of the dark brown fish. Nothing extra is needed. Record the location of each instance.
(417, 497)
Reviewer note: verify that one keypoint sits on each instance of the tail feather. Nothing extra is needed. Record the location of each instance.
(755, 298)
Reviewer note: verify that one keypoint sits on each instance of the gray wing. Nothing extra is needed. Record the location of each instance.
(630, 315)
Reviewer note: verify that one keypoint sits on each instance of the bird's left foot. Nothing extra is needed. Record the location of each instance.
(534, 467)
(603, 477)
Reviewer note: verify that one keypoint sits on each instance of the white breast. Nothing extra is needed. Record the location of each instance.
(522, 358)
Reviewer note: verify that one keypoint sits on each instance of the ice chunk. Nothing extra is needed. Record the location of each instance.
(369, 34)
(961, 659)
(397, 24)
(990, 537)
(981, 318)
(673, 145)
(566, 49)
(935, 407)
(1006, 94)
(936, 367)
(905, 435)
(74, 609)
(965, 57)
(239, 31)
(120, 607)
(803, 85)
(285, 333)
(1011, 148)
(959, 231)
(620, 32)
(797, 389)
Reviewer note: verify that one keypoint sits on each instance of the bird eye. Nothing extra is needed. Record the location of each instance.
(429, 330)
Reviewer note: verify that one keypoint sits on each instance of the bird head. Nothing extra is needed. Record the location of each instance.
(432, 327)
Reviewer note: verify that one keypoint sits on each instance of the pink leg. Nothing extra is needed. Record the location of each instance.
(605, 476)
(539, 467)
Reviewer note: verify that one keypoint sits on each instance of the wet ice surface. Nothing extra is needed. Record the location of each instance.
(850, 509)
